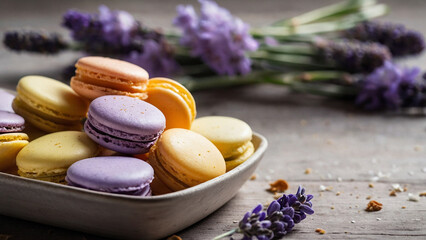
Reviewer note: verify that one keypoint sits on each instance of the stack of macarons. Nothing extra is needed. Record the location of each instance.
(115, 130)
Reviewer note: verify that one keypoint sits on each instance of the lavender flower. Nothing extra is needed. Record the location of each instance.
(33, 41)
(278, 220)
(217, 37)
(392, 87)
(400, 40)
(156, 58)
(112, 32)
(353, 56)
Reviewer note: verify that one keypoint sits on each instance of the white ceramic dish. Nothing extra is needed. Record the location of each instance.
(123, 217)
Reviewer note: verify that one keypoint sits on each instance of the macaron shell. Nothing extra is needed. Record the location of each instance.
(42, 123)
(178, 114)
(51, 97)
(52, 154)
(11, 122)
(6, 101)
(227, 133)
(91, 91)
(188, 157)
(234, 162)
(10, 145)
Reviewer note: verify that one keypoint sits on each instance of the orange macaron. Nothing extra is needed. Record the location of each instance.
(174, 100)
(99, 76)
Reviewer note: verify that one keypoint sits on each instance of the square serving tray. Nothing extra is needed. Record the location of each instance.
(118, 216)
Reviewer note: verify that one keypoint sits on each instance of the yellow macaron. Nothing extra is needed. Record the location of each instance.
(174, 100)
(49, 104)
(48, 157)
(10, 145)
(230, 135)
(182, 158)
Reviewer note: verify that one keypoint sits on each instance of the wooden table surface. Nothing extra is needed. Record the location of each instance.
(346, 149)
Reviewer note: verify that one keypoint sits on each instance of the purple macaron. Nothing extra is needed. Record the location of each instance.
(6, 100)
(121, 175)
(11, 122)
(124, 124)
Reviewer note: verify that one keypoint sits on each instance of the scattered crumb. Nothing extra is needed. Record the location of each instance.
(368, 197)
(353, 221)
(332, 207)
(303, 122)
(357, 197)
(339, 179)
(308, 171)
(374, 206)
(397, 187)
(271, 170)
(405, 189)
(338, 193)
(174, 237)
(323, 188)
(278, 186)
(268, 178)
(417, 148)
(392, 193)
(403, 207)
(235, 221)
(370, 185)
(378, 219)
(253, 177)
(320, 194)
(422, 194)
(411, 173)
(320, 231)
(413, 198)
(277, 195)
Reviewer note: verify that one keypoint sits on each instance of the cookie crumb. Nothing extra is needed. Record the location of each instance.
(353, 221)
(339, 179)
(323, 188)
(392, 193)
(413, 198)
(320, 231)
(422, 194)
(253, 177)
(338, 193)
(374, 206)
(308, 171)
(397, 187)
(370, 185)
(403, 207)
(378, 219)
(277, 195)
(278, 186)
(174, 237)
(368, 197)
(332, 207)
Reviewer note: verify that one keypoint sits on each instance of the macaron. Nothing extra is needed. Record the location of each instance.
(182, 158)
(48, 104)
(174, 100)
(6, 99)
(120, 175)
(11, 122)
(99, 76)
(48, 157)
(230, 135)
(10, 145)
(124, 124)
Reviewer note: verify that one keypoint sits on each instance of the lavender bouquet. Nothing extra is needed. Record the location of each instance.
(334, 51)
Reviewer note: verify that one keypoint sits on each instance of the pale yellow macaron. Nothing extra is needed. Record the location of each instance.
(230, 135)
(182, 158)
(10, 145)
(48, 104)
(48, 157)
(173, 100)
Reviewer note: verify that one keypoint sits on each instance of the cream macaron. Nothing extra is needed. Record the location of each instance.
(230, 135)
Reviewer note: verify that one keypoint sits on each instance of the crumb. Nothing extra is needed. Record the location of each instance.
(403, 207)
(235, 221)
(370, 185)
(417, 148)
(329, 142)
(308, 171)
(422, 194)
(397, 187)
(174, 237)
(323, 188)
(303, 122)
(253, 177)
(411, 173)
(339, 179)
(320, 194)
(413, 198)
(368, 197)
(405, 189)
(374, 206)
(378, 219)
(392, 193)
(278, 186)
(332, 207)
(357, 197)
(353, 221)
(338, 193)
(320, 231)
(277, 195)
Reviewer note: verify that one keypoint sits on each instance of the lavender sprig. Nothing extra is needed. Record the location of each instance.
(400, 40)
(33, 41)
(278, 220)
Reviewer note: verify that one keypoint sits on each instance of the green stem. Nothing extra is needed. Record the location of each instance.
(320, 13)
(227, 234)
(295, 49)
(289, 60)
